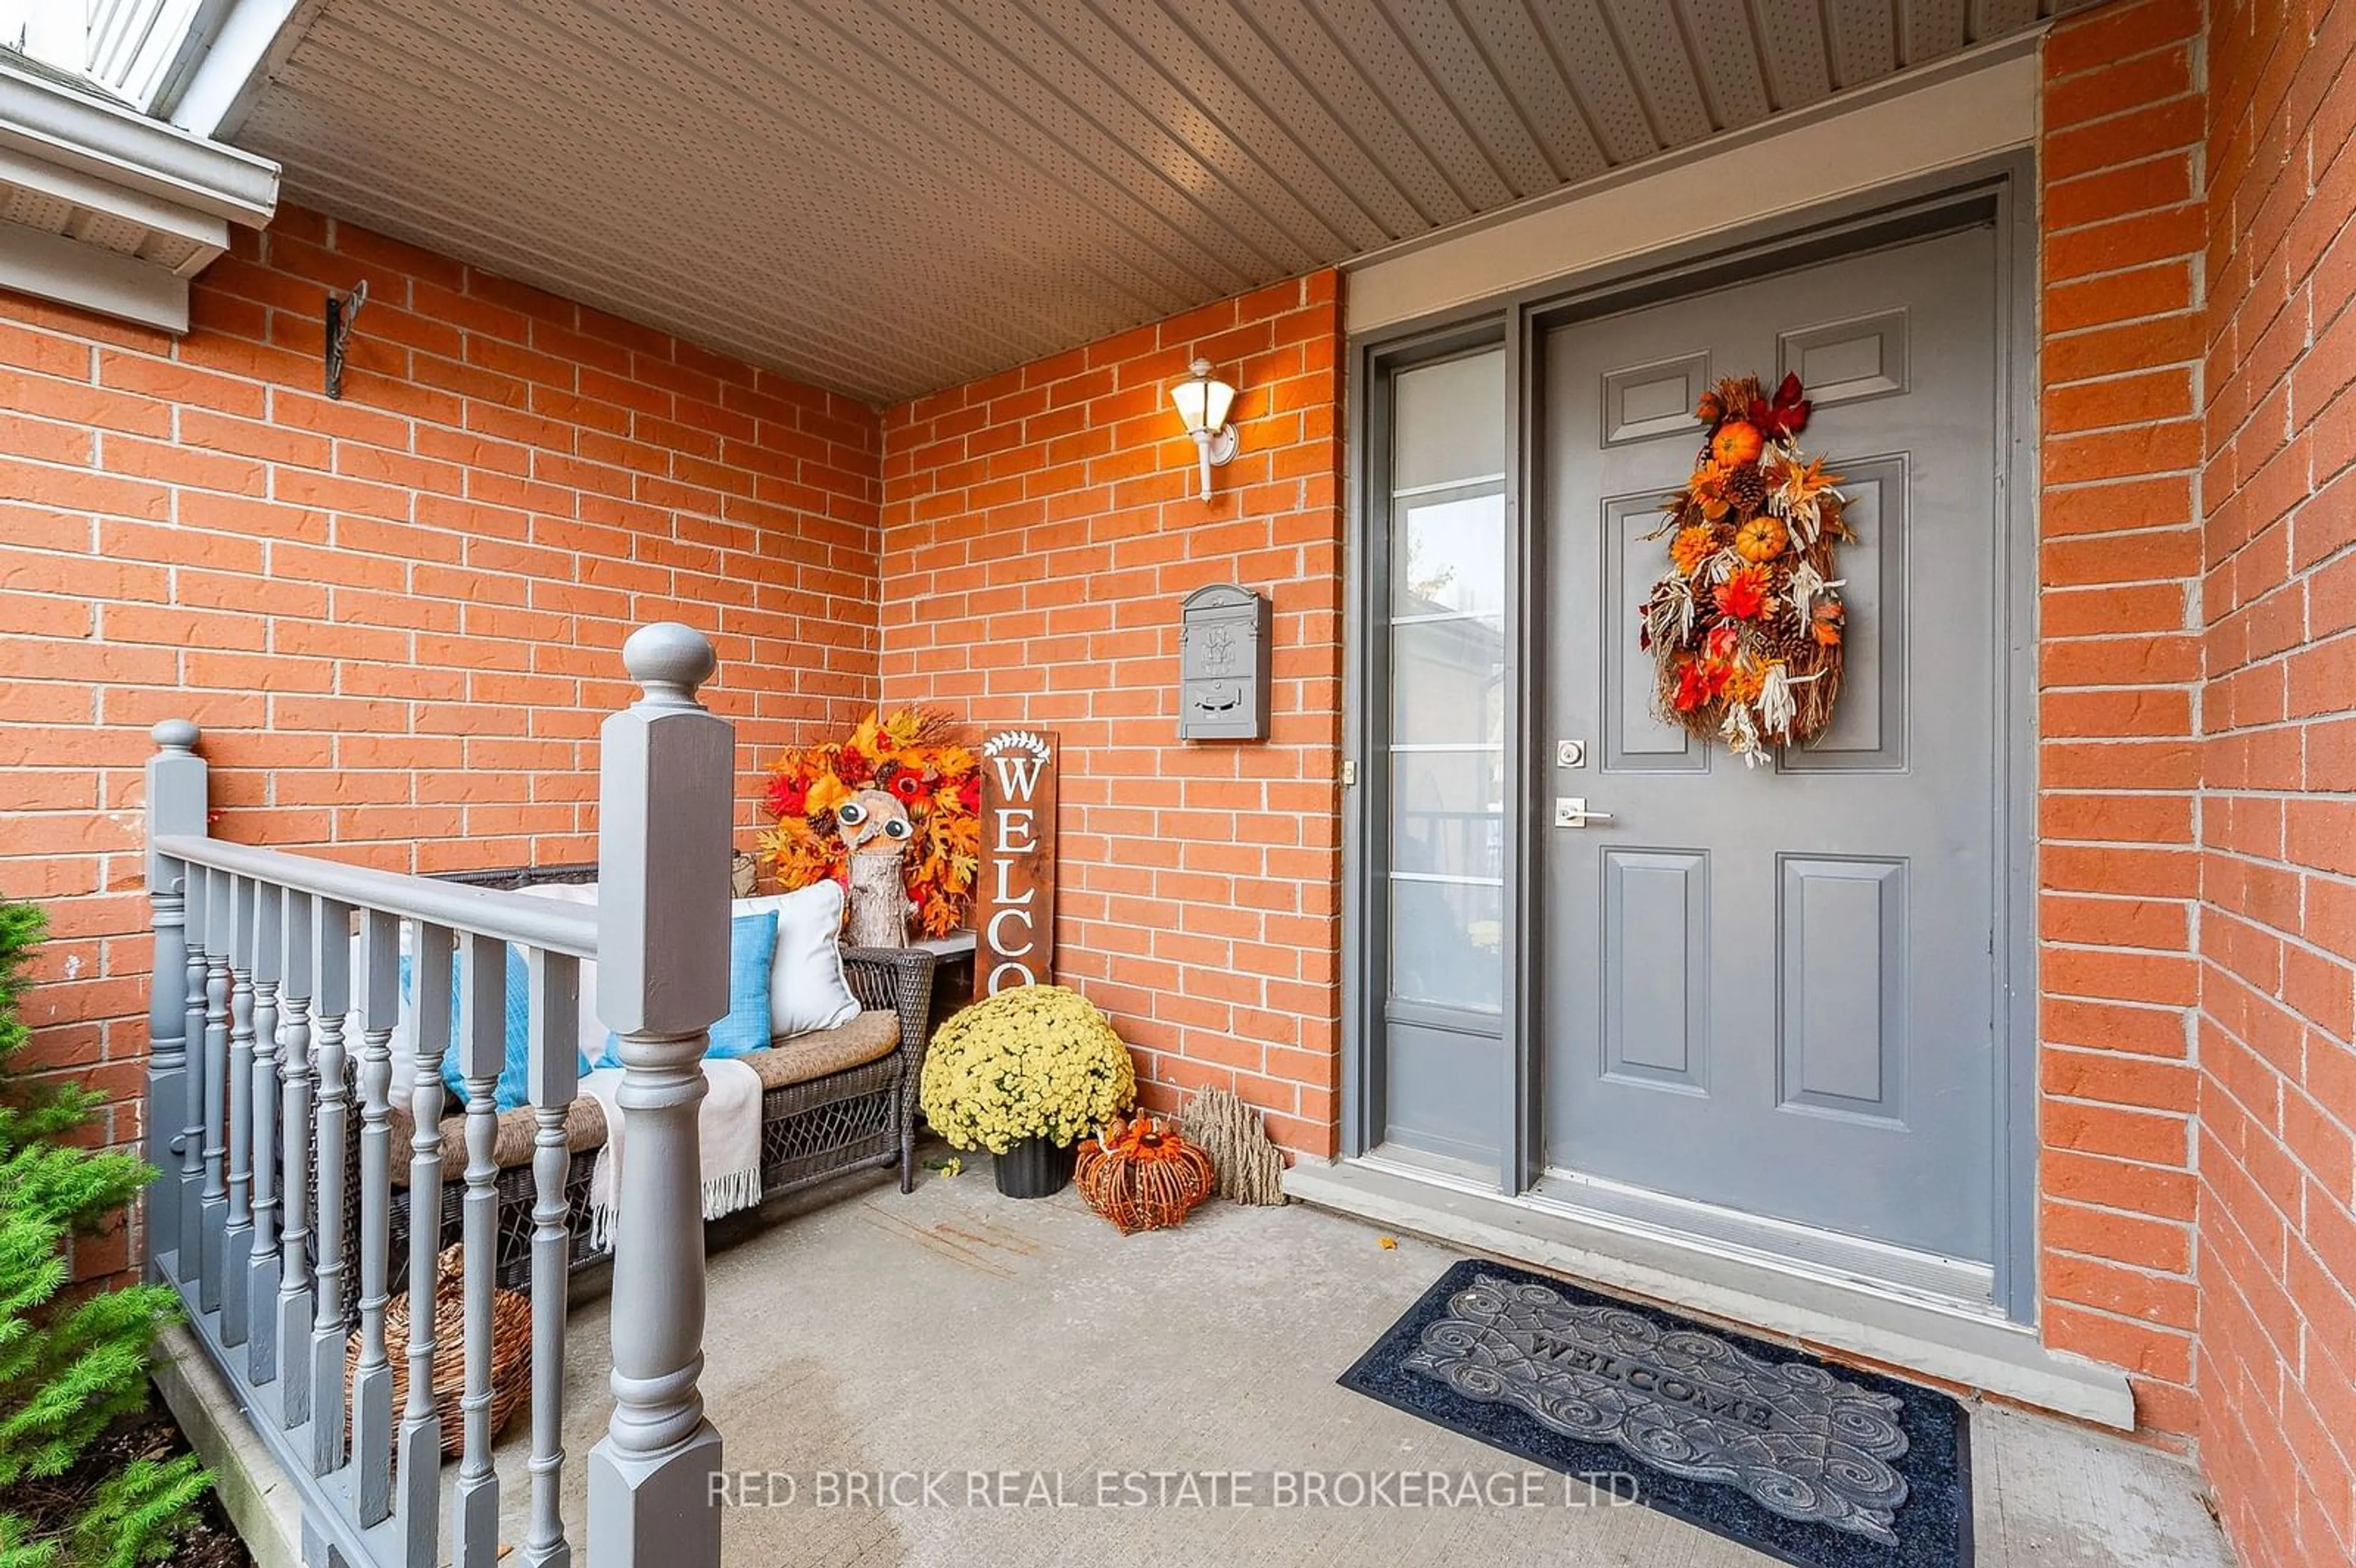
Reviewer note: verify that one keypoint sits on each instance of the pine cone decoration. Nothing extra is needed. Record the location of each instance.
(1784, 637)
(1746, 488)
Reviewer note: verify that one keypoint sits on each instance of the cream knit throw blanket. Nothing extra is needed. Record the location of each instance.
(729, 1127)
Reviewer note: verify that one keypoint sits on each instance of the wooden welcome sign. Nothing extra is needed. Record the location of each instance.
(1015, 929)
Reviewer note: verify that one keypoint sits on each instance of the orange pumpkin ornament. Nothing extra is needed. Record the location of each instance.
(1143, 1177)
(1761, 539)
(1737, 442)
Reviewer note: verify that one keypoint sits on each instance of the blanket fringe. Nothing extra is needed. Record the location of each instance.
(737, 1190)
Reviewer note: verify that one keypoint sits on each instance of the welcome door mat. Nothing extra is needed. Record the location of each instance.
(1821, 1466)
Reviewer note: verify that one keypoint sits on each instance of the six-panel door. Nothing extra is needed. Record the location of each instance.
(1773, 990)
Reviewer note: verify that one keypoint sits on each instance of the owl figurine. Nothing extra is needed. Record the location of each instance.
(876, 831)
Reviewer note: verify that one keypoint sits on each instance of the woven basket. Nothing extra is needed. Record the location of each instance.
(510, 1351)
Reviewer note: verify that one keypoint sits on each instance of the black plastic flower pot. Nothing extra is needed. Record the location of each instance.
(1033, 1167)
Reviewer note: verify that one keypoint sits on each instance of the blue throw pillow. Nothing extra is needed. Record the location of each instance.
(514, 1088)
(752, 948)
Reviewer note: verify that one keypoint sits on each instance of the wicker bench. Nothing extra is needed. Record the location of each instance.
(833, 1102)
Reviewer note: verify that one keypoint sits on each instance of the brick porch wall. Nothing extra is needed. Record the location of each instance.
(396, 616)
(1039, 530)
(2277, 943)
(2119, 673)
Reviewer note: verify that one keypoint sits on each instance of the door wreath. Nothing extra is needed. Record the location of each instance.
(1745, 626)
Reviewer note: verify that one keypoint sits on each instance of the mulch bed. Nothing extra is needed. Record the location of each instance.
(150, 1434)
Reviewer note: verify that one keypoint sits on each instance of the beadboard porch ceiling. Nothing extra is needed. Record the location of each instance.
(884, 197)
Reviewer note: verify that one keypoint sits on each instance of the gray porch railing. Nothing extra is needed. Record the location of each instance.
(256, 1096)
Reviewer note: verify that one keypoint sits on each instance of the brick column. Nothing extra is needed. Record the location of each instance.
(2278, 1160)
(2119, 668)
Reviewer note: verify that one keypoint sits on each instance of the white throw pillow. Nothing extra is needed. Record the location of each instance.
(807, 988)
(593, 1032)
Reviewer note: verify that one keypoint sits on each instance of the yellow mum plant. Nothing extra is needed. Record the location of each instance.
(1031, 1061)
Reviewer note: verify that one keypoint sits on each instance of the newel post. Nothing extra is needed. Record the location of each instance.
(177, 805)
(665, 802)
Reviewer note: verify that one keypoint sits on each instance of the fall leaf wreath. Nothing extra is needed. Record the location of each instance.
(1745, 626)
(910, 755)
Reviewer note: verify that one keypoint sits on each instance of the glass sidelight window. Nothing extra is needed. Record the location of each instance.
(1443, 707)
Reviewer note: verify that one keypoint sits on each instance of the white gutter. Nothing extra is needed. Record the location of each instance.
(89, 166)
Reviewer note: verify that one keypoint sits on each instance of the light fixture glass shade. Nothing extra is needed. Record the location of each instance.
(1203, 403)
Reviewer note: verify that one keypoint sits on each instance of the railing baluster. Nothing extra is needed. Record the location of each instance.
(260, 1261)
(167, 1061)
(380, 997)
(237, 1233)
(220, 926)
(295, 1168)
(665, 798)
(177, 802)
(554, 989)
(482, 1051)
(196, 907)
(418, 1499)
(331, 944)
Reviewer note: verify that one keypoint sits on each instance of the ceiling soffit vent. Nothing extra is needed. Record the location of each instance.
(102, 207)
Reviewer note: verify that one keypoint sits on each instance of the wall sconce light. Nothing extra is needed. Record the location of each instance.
(1203, 403)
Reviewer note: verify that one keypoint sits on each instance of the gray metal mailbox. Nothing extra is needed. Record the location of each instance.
(1224, 637)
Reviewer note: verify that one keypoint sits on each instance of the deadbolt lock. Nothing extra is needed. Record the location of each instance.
(1570, 753)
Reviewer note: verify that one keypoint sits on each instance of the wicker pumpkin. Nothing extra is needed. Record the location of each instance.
(1761, 539)
(510, 1351)
(1142, 1176)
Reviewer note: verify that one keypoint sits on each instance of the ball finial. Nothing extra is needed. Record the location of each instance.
(668, 659)
(174, 735)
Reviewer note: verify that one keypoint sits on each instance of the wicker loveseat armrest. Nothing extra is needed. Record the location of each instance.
(899, 979)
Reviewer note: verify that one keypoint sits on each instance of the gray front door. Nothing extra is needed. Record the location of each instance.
(1772, 992)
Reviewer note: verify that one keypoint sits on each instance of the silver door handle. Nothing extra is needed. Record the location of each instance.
(1571, 811)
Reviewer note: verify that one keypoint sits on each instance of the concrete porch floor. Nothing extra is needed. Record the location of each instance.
(954, 1330)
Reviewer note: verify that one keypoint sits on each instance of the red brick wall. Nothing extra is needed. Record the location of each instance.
(396, 616)
(2277, 842)
(1039, 530)
(2119, 673)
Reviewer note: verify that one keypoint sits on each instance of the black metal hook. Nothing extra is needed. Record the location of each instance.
(342, 311)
